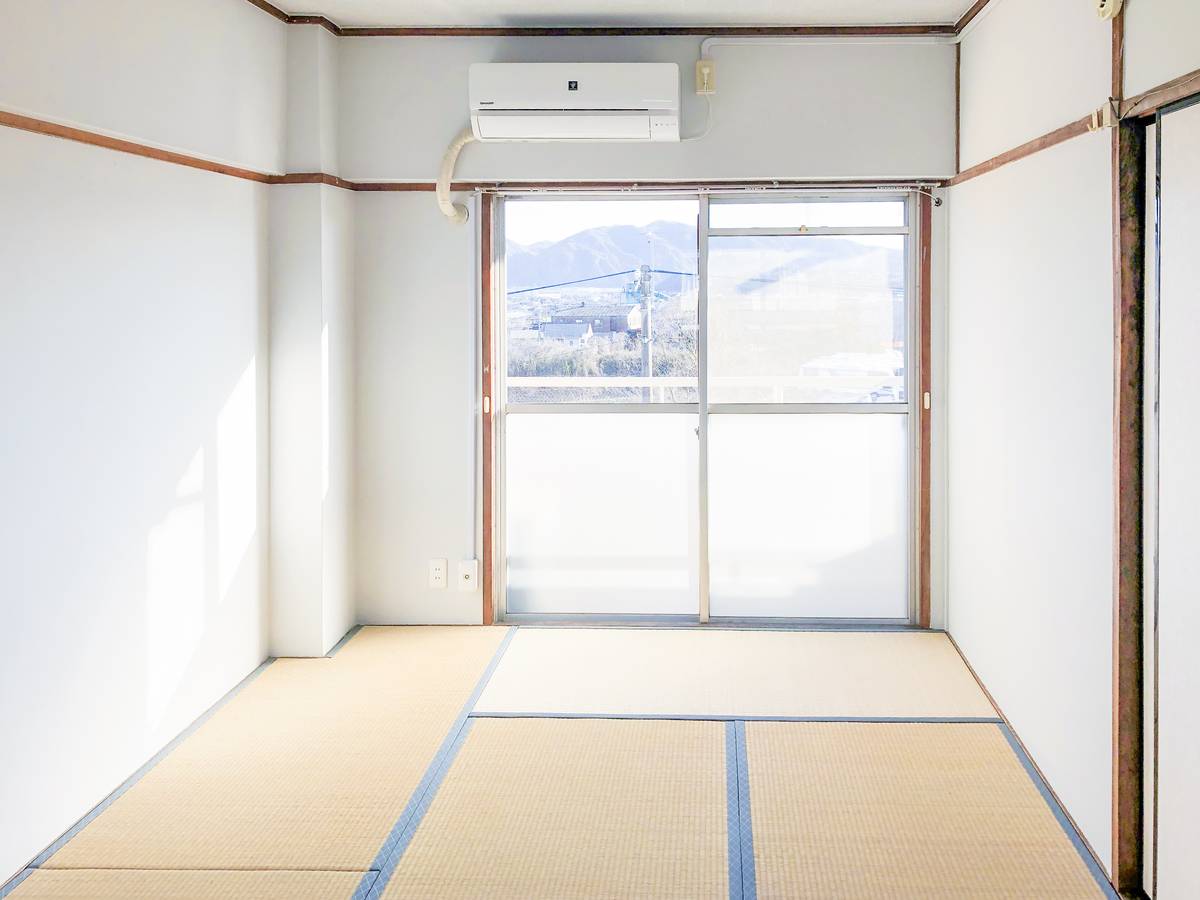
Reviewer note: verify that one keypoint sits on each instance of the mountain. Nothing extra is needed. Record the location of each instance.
(672, 246)
(597, 251)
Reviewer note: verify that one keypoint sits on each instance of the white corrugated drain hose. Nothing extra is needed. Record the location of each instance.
(455, 212)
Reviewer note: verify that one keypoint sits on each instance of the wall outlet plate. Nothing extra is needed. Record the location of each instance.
(468, 575)
(438, 569)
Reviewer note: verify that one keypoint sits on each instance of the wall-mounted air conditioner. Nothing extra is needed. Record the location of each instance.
(574, 101)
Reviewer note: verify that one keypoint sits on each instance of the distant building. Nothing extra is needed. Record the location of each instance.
(611, 319)
(573, 334)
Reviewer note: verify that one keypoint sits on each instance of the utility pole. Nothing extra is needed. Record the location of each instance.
(646, 286)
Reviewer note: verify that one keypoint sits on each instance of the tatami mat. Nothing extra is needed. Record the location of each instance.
(136, 884)
(734, 673)
(902, 811)
(575, 809)
(308, 767)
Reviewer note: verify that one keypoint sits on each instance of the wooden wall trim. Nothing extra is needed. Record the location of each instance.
(969, 15)
(957, 108)
(1129, 231)
(313, 178)
(95, 139)
(628, 31)
(487, 394)
(270, 9)
(70, 133)
(1129, 182)
(925, 385)
(1148, 103)
(1117, 82)
(316, 20)
(1066, 132)
(682, 186)
(661, 31)
(289, 19)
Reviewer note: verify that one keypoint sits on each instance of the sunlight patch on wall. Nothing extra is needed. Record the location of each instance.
(237, 489)
(175, 588)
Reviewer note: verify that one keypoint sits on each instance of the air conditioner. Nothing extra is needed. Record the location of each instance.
(574, 101)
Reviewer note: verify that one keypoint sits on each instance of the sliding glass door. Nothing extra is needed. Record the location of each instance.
(807, 408)
(705, 407)
(600, 407)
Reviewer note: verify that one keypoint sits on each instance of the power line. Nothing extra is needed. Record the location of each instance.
(542, 287)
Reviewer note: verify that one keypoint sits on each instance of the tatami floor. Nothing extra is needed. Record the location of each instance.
(456, 762)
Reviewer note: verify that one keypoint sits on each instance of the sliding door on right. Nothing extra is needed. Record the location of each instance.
(809, 408)
(1173, 585)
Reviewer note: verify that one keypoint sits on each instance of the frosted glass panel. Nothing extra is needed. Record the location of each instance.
(807, 516)
(601, 511)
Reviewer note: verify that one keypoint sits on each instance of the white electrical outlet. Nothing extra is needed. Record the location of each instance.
(468, 575)
(437, 573)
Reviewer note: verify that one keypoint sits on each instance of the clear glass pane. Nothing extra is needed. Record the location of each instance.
(810, 214)
(601, 300)
(814, 319)
(601, 512)
(807, 516)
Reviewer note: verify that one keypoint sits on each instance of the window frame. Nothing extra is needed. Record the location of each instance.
(917, 230)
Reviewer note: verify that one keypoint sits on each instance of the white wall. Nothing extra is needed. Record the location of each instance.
(337, 404)
(1030, 444)
(1029, 67)
(132, 539)
(203, 78)
(135, 366)
(1030, 377)
(296, 420)
(1162, 42)
(312, 101)
(1029, 344)
(820, 109)
(312, 327)
(417, 382)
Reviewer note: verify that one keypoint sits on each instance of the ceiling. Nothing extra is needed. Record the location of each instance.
(632, 13)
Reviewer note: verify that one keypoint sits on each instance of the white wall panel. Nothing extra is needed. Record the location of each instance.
(1162, 42)
(1029, 67)
(337, 405)
(204, 78)
(312, 417)
(297, 457)
(1030, 376)
(132, 531)
(312, 121)
(417, 383)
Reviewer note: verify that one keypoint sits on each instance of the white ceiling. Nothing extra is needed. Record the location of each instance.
(521, 13)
